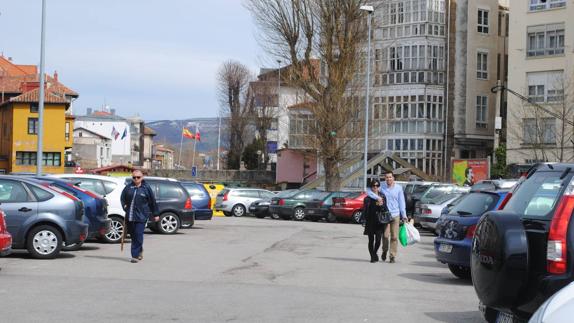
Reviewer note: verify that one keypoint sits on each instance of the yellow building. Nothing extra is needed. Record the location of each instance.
(19, 121)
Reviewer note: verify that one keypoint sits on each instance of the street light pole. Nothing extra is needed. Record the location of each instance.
(370, 11)
(39, 154)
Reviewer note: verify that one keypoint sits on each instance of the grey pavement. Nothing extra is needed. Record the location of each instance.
(237, 270)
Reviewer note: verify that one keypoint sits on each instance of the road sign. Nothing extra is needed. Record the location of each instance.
(193, 171)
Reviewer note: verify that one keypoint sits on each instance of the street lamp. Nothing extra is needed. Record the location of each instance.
(369, 10)
(39, 154)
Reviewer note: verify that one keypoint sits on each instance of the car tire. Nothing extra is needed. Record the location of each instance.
(238, 210)
(73, 247)
(357, 216)
(331, 218)
(114, 235)
(44, 242)
(299, 214)
(168, 223)
(275, 216)
(227, 213)
(460, 271)
(260, 215)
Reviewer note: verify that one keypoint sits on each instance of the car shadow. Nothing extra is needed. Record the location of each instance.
(89, 248)
(21, 254)
(437, 278)
(455, 317)
(345, 259)
(435, 264)
(122, 259)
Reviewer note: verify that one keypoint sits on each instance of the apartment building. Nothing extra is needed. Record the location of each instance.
(541, 68)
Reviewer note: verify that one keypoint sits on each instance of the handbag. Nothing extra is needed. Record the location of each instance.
(384, 216)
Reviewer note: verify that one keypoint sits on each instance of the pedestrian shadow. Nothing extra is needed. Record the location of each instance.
(435, 264)
(345, 259)
(21, 254)
(122, 259)
(455, 317)
(437, 278)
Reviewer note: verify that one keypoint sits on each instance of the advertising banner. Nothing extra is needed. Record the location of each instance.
(466, 172)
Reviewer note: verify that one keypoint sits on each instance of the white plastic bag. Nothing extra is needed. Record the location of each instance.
(413, 235)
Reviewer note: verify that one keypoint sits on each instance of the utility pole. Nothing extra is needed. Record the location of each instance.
(39, 154)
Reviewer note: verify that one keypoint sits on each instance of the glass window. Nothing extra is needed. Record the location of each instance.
(195, 192)
(482, 65)
(32, 126)
(93, 185)
(546, 4)
(545, 40)
(482, 21)
(41, 195)
(12, 192)
(537, 196)
(25, 158)
(169, 190)
(539, 131)
(109, 186)
(475, 204)
(481, 111)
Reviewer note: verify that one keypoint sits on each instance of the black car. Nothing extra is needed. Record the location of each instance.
(320, 207)
(260, 208)
(174, 203)
(524, 253)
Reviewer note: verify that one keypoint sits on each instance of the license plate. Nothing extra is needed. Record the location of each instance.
(446, 248)
(504, 318)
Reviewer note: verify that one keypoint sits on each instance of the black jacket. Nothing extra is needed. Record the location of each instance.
(145, 206)
(370, 209)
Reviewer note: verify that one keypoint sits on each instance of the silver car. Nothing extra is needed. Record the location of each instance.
(433, 201)
(236, 201)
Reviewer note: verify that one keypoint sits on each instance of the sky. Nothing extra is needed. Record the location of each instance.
(156, 59)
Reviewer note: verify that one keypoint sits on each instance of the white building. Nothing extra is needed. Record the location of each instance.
(91, 150)
(541, 67)
(112, 126)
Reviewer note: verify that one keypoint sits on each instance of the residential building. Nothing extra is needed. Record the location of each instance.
(477, 60)
(146, 147)
(541, 67)
(91, 150)
(106, 123)
(19, 102)
(163, 157)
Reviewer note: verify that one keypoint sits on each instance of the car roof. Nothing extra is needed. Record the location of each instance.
(91, 176)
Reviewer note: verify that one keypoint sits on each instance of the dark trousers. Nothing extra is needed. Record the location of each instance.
(136, 230)
(375, 243)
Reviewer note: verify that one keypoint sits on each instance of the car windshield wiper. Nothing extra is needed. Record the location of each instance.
(463, 213)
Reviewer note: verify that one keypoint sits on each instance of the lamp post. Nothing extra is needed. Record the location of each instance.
(369, 10)
(39, 154)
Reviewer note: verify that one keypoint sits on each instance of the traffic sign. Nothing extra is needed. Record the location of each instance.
(193, 171)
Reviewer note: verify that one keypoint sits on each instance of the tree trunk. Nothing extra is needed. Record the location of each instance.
(332, 175)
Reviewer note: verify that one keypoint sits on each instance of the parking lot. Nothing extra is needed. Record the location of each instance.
(239, 270)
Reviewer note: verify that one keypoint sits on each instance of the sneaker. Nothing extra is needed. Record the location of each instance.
(134, 261)
(384, 256)
(140, 257)
(392, 261)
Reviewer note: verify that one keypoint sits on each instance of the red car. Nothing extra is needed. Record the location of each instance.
(349, 208)
(5, 237)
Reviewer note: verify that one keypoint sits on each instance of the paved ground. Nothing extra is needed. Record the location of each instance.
(237, 270)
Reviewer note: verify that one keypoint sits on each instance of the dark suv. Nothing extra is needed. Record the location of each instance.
(524, 253)
(174, 203)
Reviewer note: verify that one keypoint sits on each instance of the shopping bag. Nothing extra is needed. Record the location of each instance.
(403, 235)
(413, 235)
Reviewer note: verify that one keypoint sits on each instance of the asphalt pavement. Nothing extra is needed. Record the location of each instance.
(237, 270)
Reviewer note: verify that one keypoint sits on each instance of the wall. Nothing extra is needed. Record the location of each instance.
(293, 166)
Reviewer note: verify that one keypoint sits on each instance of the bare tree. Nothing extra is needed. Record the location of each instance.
(264, 108)
(233, 81)
(322, 40)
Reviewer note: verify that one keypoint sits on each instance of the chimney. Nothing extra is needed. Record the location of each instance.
(113, 112)
(56, 76)
(89, 111)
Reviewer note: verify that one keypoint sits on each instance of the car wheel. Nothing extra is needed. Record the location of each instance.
(168, 223)
(357, 215)
(226, 213)
(238, 210)
(299, 214)
(73, 247)
(114, 235)
(331, 218)
(44, 242)
(275, 216)
(460, 271)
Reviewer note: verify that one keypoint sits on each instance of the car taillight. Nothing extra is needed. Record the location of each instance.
(427, 211)
(225, 196)
(3, 226)
(556, 250)
(187, 204)
(281, 202)
(506, 199)
(470, 231)
(209, 203)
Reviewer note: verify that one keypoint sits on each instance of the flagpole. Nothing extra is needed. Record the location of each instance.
(180, 146)
(218, 141)
(194, 142)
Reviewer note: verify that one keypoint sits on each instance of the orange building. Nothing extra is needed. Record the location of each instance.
(19, 97)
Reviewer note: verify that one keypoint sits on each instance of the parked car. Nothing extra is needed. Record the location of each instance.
(282, 194)
(5, 236)
(452, 247)
(111, 189)
(524, 253)
(235, 201)
(494, 184)
(260, 208)
(349, 208)
(41, 219)
(292, 207)
(413, 191)
(320, 208)
(200, 200)
(429, 208)
(557, 309)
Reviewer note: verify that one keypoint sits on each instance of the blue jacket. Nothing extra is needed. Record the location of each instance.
(144, 206)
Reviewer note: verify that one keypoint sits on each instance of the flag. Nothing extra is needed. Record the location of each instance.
(187, 134)
(115, 133)
(125, 133)
(197, 136)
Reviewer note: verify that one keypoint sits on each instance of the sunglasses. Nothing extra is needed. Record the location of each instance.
(376, 185)
(136, 177)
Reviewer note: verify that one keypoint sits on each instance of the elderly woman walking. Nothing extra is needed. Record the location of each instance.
(374, 229)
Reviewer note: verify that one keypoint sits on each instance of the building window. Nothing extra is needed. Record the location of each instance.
(546, 4)
(32, 126)
(67, 133)
(481, 111)
(33, 107)
(539, 130)
(482, 65)
(545, 87)
(545, 40)
(482, 21)
(26, 158)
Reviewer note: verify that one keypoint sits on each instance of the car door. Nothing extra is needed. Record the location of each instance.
(19, 205)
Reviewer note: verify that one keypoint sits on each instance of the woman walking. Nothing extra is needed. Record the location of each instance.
(374, 203)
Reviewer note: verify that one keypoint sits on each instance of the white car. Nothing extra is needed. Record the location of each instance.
(111, 189)
(557, 309)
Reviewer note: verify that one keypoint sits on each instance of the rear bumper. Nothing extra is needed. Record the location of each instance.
(99, 228)
(426, 221)
(341, 212)
(316, 213)
(186, 217)
(76, 232)
(224, 207)
(203, 214)
(460, 252)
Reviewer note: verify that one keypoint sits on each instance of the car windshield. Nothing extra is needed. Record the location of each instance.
(475, 204)
(536, 196)
(420, 188)
(287, 193)
(439, 194)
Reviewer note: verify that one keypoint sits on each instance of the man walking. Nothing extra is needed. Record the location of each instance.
(396, 204)
(138, 201)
